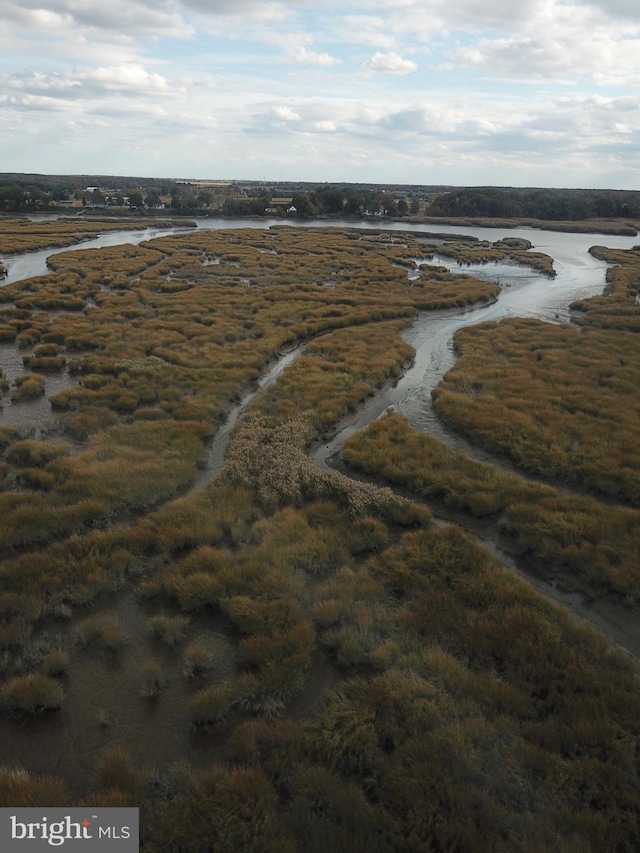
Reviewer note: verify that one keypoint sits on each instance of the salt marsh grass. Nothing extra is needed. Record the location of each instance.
(592, 539)
(343, 658)
(169, 629)
(101, 631)
(32, 694)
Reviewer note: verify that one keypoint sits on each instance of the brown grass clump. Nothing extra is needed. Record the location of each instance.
(197, 659)
(21, 789)
(151, 678)
(101, 631)
(114, 770)
(32, 694)
(29, 452)
(55, 662)
(29, 386)
(169, 629)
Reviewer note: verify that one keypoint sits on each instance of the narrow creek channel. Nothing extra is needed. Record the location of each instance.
(524, 293)
(102, 709)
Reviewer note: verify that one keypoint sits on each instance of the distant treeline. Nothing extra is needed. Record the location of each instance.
(554, 204)
(34, 192)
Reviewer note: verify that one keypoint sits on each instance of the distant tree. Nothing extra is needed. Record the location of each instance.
(12, 198)
(402, 207)
(414, 207)
(353, 203)
(205, 198)
(330, 200)
(135, 199)
(539, 203)
(60, 193)
(372, 202)
(153, 199)
(303, 204)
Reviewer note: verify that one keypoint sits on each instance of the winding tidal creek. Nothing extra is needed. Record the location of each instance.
(524, 292)
(101, 711)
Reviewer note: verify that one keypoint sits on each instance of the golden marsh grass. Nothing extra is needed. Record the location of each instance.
(356, 678)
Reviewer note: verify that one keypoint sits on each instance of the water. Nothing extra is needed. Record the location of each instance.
(570, 251)
(524, 293)
(104, 704)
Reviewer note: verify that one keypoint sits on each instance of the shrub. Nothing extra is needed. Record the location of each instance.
(223, 809)
(332, 813)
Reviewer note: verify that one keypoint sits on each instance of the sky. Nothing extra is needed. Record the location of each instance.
(463, 92)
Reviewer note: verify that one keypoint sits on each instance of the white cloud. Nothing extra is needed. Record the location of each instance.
(363, 29)
(128, 19)
(89, 84)
(310, 57)
(625, 9)
(37, 82)
(556, 55)
(390, 63)
(128, 79)
(266, 10)
(296, 84)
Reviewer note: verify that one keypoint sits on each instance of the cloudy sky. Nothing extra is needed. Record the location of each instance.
(467, 92)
